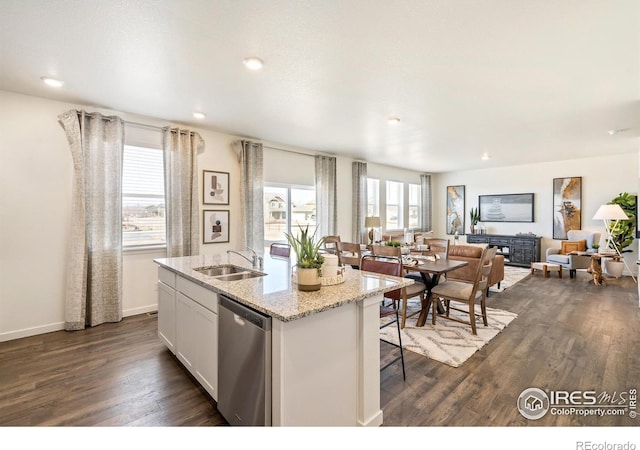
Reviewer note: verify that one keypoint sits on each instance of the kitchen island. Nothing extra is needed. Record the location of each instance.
(325, 347)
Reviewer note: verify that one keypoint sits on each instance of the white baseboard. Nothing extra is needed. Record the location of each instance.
(42, 329)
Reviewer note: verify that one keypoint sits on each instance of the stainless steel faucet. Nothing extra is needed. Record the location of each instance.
(256, 261)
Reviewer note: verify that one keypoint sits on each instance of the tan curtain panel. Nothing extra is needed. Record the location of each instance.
(181, 148)
(326, 209)
(250, 157)
(359, 194)
(94, 269)
(425, 192)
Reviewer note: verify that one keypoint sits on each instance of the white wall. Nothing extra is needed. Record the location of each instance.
(603, 178)
(35, 195)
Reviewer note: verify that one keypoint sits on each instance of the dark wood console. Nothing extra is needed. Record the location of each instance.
(518, 250)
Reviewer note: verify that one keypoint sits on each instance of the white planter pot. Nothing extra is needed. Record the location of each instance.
(308, 279)
(613, 268)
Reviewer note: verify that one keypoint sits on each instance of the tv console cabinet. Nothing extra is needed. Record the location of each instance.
(518, 250)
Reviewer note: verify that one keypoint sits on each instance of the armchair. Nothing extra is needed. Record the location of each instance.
(574, 262)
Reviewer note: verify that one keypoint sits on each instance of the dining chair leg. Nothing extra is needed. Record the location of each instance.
(483, 305)
(404, 311)
(472, 317)
(404, 375)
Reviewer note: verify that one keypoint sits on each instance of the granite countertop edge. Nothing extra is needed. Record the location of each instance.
(234, 290)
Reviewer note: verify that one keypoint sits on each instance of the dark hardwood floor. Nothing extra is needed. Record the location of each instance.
(569, 335)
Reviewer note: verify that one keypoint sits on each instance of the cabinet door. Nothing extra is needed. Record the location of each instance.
(206, 370)
(167, 316)
(186, 334)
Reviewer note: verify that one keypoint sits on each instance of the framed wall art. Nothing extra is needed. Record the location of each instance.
(215, 188)
(455, 209)
(215, 226)
(506, 208)
(567, 206)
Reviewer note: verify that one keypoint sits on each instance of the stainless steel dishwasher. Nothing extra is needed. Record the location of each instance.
(244, 364)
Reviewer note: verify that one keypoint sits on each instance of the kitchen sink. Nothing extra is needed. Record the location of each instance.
(228, 272)
(239, 276)
(220, 270)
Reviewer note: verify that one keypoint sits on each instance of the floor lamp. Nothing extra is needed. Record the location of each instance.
(609, 213)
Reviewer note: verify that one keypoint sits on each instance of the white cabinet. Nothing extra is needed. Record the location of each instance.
(167, 316)
(188, 326)
(167, 308)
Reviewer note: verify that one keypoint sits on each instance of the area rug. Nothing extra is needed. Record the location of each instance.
(448, 342)
(511, 276)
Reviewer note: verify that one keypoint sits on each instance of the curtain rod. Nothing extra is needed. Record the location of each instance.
(298, 152)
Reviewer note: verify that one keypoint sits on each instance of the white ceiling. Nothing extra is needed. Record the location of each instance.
(523, 80)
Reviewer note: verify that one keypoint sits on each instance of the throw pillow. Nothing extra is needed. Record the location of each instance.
(573, 246)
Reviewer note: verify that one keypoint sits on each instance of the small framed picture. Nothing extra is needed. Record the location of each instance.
(215, 226)
(215, 187)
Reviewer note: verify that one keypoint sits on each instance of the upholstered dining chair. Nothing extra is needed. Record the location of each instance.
(349, 253)
(331, 244)
(387, 266)
(577, 240)
(279, 249)
(400, 296)
(467, 293)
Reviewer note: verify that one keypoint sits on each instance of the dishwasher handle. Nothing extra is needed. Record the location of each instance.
(244, 313)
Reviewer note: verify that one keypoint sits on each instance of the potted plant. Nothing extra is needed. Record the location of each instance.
(309, 259)
(622, 233)
(474, 216)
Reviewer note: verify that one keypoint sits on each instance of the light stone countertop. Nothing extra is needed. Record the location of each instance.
(274, 294)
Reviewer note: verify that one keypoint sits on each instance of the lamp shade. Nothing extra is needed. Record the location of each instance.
(610, 212)
(372, 222)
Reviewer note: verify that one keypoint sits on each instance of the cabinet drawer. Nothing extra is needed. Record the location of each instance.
(500, 242)
(203, 296)
(167, 277)
(477, 239)
(524, 243)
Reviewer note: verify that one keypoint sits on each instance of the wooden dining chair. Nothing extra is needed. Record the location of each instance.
(349, 253)
(331, 244)
(467, 293)
(279, 249)
(387, 266)
(437, 246)
(386, 250)
(400, 297)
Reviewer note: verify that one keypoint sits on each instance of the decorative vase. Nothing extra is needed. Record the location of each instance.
(308, 279)
(613, 268)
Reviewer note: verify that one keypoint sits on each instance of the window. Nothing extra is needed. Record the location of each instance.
(373, 197)
(286, 207)
(395, 199)
(414, 205)
(143, 202)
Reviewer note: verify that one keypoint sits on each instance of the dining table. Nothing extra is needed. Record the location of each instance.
(430, 270)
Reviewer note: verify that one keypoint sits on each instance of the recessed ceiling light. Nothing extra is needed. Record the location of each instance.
(253, 63)
(53, 82)
(393, 120)
(485, 156)
(199, 115)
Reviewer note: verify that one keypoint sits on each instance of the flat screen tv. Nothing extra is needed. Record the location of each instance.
(506, 208)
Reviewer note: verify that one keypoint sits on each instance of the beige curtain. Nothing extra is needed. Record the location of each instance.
(326, 213)
(425, 192)
(94, 268)
(359, 195)
(250, 157)
(181, 148)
